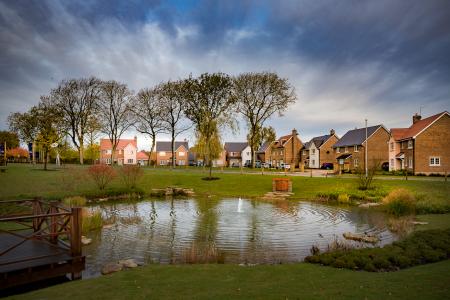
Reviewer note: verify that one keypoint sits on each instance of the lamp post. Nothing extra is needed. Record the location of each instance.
(365, 158)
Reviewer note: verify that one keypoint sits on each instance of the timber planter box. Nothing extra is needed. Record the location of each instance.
(281, 185)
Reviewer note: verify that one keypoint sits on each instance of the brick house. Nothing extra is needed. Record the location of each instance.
(142, 158)
(126, 152)
(194, 159)
(237, 154)
(319, 150)
(164, 153)
(263, 153)
(286, 150)
(423, 148)
(350, 152)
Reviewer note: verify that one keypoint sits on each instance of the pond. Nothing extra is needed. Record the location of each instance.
(241, 231)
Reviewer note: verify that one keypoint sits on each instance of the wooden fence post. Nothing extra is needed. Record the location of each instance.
(53, 222)
(75, 237)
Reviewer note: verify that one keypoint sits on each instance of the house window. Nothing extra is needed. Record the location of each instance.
(181, 153)
(120, 151)
(355, 148)
(410, 144)
(356, 162)
(392, 146)
(338, 150)
(392, 162)
(162, 162)
(410, 162)
(313, 162)
(181, 162)
(313, 151)
(346, 149)
(108, 151)
(304, 152)
(162, 153)
(108, 161)
(435, 161)
(130, 160)
(131, 152)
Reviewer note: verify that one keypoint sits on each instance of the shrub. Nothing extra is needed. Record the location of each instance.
(75, 201)
(343, 198)
(91, 220)
(400, 202)
(130, 174)
(102, 175)
(419, 248)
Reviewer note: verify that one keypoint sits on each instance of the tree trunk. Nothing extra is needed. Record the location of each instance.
(173, 148)
(151, 150)
(33, 149)
(81, 151)
(45, 158)
(113, 150)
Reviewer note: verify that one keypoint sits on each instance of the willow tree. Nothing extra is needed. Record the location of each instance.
(259, 97)
(76, 100)
(25, 125)
(148, 113)
(113, 112)
(210, 106)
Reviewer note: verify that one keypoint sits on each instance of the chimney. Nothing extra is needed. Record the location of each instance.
(416, 118)
(294, 132)
(332, 132)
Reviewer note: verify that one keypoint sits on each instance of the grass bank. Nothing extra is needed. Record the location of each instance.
(24, 181)
(295, 281)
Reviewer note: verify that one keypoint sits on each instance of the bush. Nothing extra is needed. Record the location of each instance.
(75, 201)
(400, 202)
(419, 248)
(130, 175)
(343, 198)
(102, 175)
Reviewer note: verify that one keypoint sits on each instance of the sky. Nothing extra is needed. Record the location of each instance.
(382, 60)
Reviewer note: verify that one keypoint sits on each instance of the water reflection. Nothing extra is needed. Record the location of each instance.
(201, 230)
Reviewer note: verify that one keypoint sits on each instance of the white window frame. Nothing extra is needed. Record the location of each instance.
(410, 144)
(355, 148)
(181, 153)
(410, 162)
(338, 150)
(130, 161)
(162, 162)
(435, 161)
(356, 162)
(313, 151)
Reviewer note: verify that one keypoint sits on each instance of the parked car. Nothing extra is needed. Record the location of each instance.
(327, 166)
(258, 164)
(385, 166)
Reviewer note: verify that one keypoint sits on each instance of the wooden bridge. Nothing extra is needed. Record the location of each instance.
(43, 244)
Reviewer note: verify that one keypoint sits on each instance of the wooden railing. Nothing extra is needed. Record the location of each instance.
(48, 222)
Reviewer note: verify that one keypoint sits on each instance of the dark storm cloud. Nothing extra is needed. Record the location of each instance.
(347, 59)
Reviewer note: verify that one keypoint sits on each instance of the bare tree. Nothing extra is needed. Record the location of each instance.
(171, 99)
(259, 96)
(148, 113)
(209, 105)
(114, 112)
(76, 100)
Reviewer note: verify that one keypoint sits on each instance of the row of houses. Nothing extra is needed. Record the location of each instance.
(421, 148)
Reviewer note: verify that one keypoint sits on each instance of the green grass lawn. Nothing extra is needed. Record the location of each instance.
(294, 281)
(25, 181)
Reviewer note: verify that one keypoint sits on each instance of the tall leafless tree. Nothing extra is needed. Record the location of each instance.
(259, 96)
(171, 97)
(148, 113)
(113, 112)
(76, 99)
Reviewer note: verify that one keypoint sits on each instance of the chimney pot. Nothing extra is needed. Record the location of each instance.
(332, 132)
(416, 118)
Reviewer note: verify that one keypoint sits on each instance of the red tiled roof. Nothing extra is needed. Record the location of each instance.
(106, 144)
(416, 128)
(142, 155)
(397, 133)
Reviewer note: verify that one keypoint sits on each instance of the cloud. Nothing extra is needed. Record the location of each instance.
(346, 61)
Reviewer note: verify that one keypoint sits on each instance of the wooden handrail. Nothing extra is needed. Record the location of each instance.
(34, 216)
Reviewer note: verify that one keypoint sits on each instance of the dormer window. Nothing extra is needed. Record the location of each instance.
(410, 144)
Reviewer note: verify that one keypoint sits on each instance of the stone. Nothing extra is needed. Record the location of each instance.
(128, 263)
(419, 223)
(111, 268)
(369, 204)
(85, 240)
(108, 226)
(366, 238)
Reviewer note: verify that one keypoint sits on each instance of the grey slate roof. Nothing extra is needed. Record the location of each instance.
(319, 140)
(356, 136)
(167, 146)
(235, 147)
(264, 147)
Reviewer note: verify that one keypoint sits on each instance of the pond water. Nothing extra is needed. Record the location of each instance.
(242, 231)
